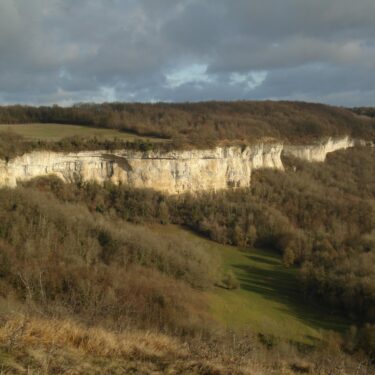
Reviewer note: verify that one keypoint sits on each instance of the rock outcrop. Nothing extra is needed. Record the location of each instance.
(171, 172)
(318, 152)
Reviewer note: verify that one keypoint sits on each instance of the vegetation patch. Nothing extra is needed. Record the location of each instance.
(268, 298)
(56, 132)
(13, 144)
(267, 284)
(319, 217)
(205, 124)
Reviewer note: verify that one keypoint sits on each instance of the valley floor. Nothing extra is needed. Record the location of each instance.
(268, 300)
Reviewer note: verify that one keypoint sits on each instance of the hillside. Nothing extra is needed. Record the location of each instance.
(276, 277)
(207, 123)
(282, 283)
(268, 299)
(187, 187)
(56, 132)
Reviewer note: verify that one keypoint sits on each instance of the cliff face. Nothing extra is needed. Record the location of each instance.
(172, 172)
(318, 152)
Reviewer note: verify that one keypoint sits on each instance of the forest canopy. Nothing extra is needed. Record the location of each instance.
(205, 123)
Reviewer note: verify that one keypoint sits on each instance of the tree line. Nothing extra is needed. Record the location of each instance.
(207, 123)
(320, 217)
(84, 250)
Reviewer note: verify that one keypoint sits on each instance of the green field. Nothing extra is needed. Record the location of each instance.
(55, 132)
(269, 299)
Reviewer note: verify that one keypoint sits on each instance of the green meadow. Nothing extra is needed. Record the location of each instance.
(55, 132)
(269, 300)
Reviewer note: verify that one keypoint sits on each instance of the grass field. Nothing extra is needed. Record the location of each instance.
(55, 132)
(269, 299)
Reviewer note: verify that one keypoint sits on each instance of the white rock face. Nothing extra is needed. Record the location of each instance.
(318, 152)
(172, 172)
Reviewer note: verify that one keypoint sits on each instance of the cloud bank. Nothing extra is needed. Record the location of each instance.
(66, 51)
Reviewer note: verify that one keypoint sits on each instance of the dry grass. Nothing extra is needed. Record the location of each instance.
(90, 341)
(38, 345)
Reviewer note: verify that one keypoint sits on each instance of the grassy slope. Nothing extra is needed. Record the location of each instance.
(55, 132)
(269, 300)
(48, 346)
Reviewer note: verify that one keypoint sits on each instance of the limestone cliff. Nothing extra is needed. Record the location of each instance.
(171, 172)
(318, 152)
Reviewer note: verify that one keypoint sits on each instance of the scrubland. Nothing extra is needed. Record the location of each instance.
(277, 279)
(205, 124)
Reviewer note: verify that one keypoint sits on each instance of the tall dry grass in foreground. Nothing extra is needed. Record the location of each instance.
(37, 345)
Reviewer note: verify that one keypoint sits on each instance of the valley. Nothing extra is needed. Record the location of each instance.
(268, 300)
(128, 251)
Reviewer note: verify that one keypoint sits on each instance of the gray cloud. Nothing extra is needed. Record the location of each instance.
(64, 51)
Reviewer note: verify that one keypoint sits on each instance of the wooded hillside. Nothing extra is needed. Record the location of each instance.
(207, 122)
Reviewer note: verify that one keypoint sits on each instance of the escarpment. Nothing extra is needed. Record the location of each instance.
(172, 172)
(318, 152)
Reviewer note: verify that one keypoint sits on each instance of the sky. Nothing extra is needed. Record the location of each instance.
(68, 51)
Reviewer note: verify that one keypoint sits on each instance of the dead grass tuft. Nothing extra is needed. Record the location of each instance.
(20, 331)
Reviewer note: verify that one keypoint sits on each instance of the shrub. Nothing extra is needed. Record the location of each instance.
(64, 258)
(230, 281)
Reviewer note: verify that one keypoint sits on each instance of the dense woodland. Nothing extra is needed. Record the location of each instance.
(204, 124)
(71, 261)
(86, 255)
(13, 144)
(320, 217)
(83, 252)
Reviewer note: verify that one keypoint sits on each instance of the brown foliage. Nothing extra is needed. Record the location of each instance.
(320, 217)
(205, 124)
(65, 259)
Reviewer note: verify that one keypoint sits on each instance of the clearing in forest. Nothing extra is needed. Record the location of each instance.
(55, 132)
(269, 299)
